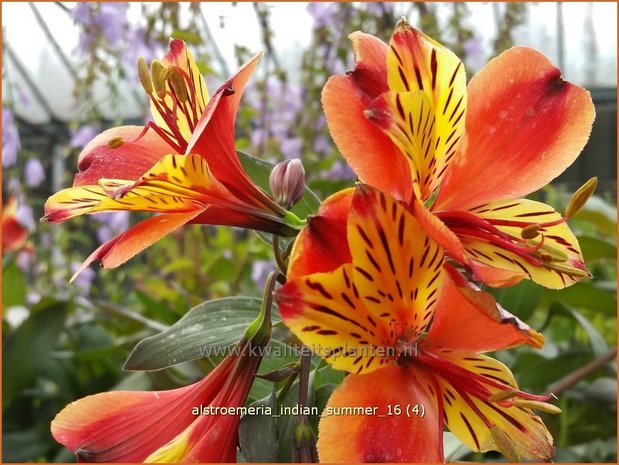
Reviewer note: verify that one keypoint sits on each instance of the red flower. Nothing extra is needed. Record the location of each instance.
(195, 423)
(14, 234)
(183, 165)
(407, 123)
(367, 291)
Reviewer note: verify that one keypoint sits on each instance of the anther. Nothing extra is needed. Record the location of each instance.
(534, 404)
(580, 197)
(156, 69)
(530, 232)
(502, 395)
(228, 91)
(144, 76)
(177, 83)
(115, 142)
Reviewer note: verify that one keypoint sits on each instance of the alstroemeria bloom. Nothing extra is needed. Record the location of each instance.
(195, 423)
(408, 124)
(14, 234)
(368, 291)
(182, 165)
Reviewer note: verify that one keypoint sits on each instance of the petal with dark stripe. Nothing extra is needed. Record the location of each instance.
(326, 311)
(398, 269)
(554, 260)
(427, 104)
(472, 419)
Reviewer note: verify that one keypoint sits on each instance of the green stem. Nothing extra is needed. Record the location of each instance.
(281, 263)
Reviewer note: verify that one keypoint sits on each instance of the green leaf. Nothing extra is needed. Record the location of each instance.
(27, 350)
(582, 295)
(187, 35)
(597, 342)
(594, 248)
(521, 299)
(259, 171)
(211, 327)
(258, 433)
(14, 288)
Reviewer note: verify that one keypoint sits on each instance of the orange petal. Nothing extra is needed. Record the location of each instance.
(370, 434)
(127, 160)
(126, 426)
(525, 125)
(397, 267)
(424, 114)
(322, 245)
(471, 320)
(559, 259)
(327, 313)
(438, 231)
(118, 250)
(472, 419)
(376, 160)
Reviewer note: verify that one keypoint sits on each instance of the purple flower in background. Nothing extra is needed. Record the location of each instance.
(111, 224)
(323, 145)
(83, 280)
(80, 137)
(34, 172)
(474, 52)
(105, 21)
(339, 172)
(260, 270)
(379, 8)
(10, 138)
(322, 12)
(24, 214)
(291, 147)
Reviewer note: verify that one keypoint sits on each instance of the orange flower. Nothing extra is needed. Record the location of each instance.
(195, 423)
(367, 291)
(408, 124)
(183, 165)
(14, 234)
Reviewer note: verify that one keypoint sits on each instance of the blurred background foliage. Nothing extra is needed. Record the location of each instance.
(62, 342)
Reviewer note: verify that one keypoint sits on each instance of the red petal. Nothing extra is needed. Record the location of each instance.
(322, 245)
(127, 161)
(213, 138)
(370, 72)
(378, 436)
(524, 126)
(118, 250)
(470, 320)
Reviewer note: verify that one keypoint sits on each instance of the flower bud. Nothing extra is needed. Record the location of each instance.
(287, 182)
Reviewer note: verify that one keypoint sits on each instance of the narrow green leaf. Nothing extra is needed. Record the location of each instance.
(206, 330)
(14, 286)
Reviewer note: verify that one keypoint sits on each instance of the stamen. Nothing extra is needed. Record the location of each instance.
(176, 82)
(580, 197)
(156, 68)
(115, 142)
(505, 445)
(502, 395)
(530, 232)
(144, 76)
(543, 406)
